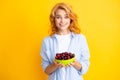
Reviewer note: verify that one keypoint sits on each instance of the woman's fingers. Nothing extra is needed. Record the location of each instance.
(62, 65)
(72, 63)
(58, 64)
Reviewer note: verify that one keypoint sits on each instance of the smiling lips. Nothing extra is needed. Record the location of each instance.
(62, 25)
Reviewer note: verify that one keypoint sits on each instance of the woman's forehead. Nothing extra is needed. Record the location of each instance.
(60, 12)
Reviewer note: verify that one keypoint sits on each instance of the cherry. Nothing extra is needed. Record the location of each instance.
(64, 56)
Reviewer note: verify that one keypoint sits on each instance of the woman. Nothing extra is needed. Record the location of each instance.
(65, 36)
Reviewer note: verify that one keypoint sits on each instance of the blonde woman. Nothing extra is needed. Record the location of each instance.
(65, 36)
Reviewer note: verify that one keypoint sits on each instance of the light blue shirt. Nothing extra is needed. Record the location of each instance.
(78, 46)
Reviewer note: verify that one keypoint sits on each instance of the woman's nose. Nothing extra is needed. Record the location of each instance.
(62, 19)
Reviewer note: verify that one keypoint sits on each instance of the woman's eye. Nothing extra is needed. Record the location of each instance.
(57, 17)
(66, 17)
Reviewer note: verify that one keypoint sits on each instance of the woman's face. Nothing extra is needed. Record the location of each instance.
(62, 21)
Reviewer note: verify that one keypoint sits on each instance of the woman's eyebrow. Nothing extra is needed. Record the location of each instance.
(66, 14)
(60, 15)
(57, 15)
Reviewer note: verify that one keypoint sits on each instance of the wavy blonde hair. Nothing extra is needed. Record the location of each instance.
(73, 18)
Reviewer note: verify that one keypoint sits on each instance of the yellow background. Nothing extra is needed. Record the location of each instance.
(24, 23)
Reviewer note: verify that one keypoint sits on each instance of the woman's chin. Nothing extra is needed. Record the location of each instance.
(62, 27)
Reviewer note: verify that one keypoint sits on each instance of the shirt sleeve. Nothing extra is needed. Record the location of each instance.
(43, 53)
(85, 55)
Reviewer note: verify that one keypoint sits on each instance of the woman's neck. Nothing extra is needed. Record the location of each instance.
(63, 32)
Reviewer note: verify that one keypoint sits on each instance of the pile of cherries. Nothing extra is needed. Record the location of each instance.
(64, 56)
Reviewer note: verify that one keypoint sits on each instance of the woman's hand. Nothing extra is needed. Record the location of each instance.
(52, 67)
(75, 64)
(57, 64)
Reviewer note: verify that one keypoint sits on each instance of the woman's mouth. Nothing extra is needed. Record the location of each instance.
(62, 25)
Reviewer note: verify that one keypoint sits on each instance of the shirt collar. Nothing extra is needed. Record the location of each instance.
(72, 35)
